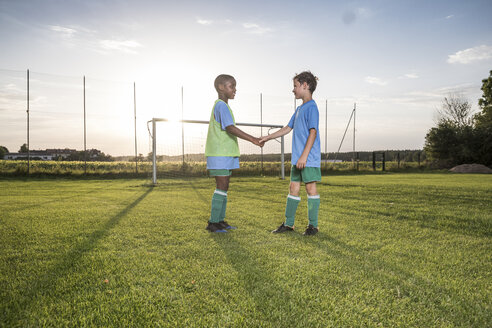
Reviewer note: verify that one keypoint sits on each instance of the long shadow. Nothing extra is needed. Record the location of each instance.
(253, 275)
(63, 265)
(31, 206)
(386, 271)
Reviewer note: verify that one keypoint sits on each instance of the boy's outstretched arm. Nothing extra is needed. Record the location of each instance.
(282, 132)
(235, 131)
(301, 162)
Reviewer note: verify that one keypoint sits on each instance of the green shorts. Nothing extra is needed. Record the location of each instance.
(306, 175)
(220, 173)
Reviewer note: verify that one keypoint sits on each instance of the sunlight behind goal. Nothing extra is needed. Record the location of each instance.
(183, 142)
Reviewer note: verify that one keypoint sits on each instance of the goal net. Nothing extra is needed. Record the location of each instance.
(177, 149)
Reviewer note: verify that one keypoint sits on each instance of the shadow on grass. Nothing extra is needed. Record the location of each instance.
(419, 290)
(23, 207)
(265, 291)
(64, 265)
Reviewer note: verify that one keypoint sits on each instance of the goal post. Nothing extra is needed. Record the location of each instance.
(153, 136)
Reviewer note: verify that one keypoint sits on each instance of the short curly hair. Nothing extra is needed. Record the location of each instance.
(221, 79)
(309, 78)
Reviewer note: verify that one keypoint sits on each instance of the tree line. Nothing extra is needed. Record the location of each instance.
(461, 137)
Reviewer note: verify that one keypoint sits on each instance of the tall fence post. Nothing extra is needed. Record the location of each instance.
(135, 122)
(182, 126)
(261, 128)
(85, 136)
(326, 133)
(354, 137)
(384, 161)
(282, 158)
(154, 156)
(28, 147)
(374, 161)
(398, 156)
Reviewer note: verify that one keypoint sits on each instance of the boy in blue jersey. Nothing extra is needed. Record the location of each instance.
(222, 150)
(306, 154)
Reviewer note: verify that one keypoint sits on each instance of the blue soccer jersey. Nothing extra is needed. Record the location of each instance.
(306, 117)
(222, 116)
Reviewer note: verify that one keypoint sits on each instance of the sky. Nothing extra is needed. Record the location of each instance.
(395, 60)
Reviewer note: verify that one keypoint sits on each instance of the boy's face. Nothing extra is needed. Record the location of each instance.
(228, 89)
(300, 89)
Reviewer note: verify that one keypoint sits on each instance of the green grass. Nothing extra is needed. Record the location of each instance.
(394, 250)
(77, 169)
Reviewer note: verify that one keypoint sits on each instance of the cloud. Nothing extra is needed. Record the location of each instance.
(409, 76)
(471, 55)
(375, 80)
(449, 17)
(256, 29)
(64, 31)
(204, 21)
(127, 46)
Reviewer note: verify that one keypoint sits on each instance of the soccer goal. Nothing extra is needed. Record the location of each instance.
(178, 148)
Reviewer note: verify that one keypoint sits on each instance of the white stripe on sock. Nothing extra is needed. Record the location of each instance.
(294, 197)
(313, 197)
(220, 192)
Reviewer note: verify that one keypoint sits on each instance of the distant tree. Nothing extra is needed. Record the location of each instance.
(23, 149)
(485, 103)
(3, 151)
(452, 141)
(93, 155)
(483, 123)
(455, 109)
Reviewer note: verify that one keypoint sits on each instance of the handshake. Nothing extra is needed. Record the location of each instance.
(260, 141)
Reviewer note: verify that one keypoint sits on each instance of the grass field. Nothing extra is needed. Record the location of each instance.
(394, 250)
(19, 168)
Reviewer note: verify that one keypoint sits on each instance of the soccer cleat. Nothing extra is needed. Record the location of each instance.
(226, 225)
(310, 231)
(215, 227)
(283, 228)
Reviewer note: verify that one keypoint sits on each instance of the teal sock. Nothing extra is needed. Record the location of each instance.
(290, 209)
(217, 203)
(224, 207)
(313, 209)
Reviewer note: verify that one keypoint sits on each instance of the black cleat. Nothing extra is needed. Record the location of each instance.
(283, 228)
(310, 231)
(226, 225)
(215, 227)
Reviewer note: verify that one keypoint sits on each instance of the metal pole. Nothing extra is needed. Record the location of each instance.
(261, 128)
(326, 131)
(154, 157)
(282, 157)
(28, 148)
(182, 126)
(353, 148)
(343, 138)
(135, 123)
(85, 136)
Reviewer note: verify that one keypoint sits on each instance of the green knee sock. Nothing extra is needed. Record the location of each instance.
(313, 209)
(290, 209)
(224, 207)
(217, 204)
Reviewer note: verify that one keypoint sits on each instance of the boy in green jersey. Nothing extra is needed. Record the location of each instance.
(222, 150)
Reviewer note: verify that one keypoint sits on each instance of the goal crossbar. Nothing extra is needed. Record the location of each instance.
(154, 145)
